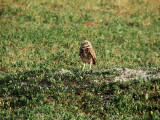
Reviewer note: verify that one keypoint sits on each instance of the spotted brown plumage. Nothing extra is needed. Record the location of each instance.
(87, 53)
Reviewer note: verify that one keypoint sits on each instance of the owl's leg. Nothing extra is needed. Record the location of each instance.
(83, 66)
(90, 65)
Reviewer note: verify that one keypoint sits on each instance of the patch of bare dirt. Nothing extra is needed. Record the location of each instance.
(131, 74)
(117, 74)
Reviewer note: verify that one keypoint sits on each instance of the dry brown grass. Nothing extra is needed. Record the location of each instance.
(125, 9)
(128, 7)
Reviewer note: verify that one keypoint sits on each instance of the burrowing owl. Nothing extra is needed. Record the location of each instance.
(87, 54)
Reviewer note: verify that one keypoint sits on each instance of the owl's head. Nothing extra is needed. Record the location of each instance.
(86, 43)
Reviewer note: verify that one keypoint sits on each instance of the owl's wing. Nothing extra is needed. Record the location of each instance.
(80, 52)
(93, 55)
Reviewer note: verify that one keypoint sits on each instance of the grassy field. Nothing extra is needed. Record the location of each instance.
(40, 37)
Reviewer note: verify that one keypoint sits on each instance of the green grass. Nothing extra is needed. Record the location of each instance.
(42, 94)
(40, 37)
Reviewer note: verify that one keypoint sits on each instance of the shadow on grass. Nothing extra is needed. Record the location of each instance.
(90, 93)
